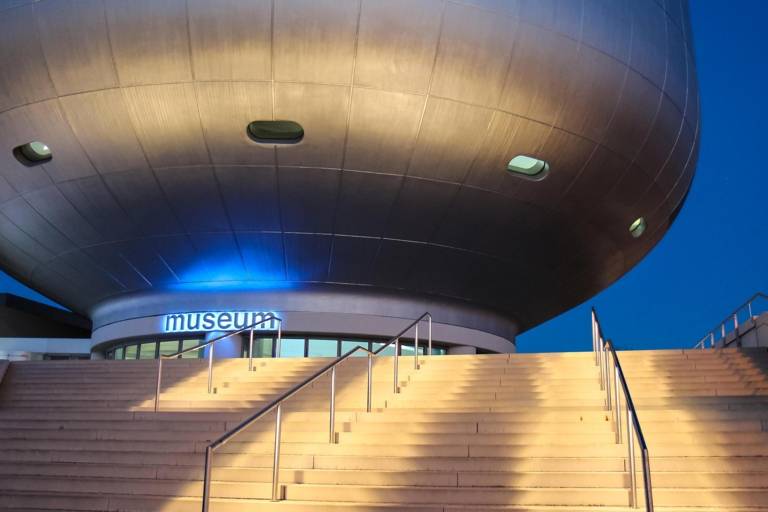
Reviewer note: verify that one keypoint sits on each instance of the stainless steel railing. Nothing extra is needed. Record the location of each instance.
(277, 403)
(212, 343)
(614, 383)
(751, 307)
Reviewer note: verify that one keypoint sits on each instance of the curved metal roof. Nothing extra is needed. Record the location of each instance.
(411, 111)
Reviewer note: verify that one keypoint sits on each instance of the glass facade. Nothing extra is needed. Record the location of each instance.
(265, 346)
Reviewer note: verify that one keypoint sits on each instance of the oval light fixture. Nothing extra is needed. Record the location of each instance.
(33, 153)
(637, 228)
(528, 167)
(275, 132)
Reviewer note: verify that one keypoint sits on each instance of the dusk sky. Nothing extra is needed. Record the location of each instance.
(716, 254)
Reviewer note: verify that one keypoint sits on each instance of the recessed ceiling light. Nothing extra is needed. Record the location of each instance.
(275, 132)
(528, 167)
(32, 153)
(637, 228)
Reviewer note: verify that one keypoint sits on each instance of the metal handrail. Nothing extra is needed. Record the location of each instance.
(733, 316)
(278, 402)
(602, 347)
(269, 318)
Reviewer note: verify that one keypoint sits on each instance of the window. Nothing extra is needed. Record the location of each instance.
(131, 351)
(637, 228)
(262, 346)
(275, 132)
(147, 350)
(33, 153)
(292, 347)
(194, 354)
(389, 351)
(322, 348)
(528, 167)
(169, 347)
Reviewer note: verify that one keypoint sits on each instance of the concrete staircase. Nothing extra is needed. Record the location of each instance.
(492, 432)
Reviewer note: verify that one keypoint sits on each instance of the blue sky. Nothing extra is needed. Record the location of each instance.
(716, 254)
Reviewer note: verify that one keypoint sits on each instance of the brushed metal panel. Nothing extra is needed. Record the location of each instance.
(419, 208)
(306, 257)
(140, 195)
(600, 174)
(496, 150)
(395, 263)
(167, 123)
(634, 116)
(593, 95)
(142, 257)
(662, 138)
(251, 197)
(103, 127)
(111, 259)
(93, 286)
(314, 40)
(451, 134)
(60, 213)
(13, 257)
(648, 55)
(676, 85)
(263, 255)
(231, 39)
(179, 255)
(536, 85)
(382, 130)
(44, 122)
(607, 26)
(217, 259)
(73, 34)
(566, 154)
(14, 131)
(33, 224)
(99, 207)
(561, 16)
(473, 56)
(15, 237)
(6, 190)
(99, 277)
(308, 199)
(396, 52)
(187, 190)
(24, 74)
(226, 108)
(368, 193)
(670, 173)
(352, 259)
(150, 41)
(322, 111)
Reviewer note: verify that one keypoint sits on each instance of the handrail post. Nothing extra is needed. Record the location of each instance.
(396, 388)
(631, 455)
(278, 348)
(210, 369)
(594, 338)
(647, 481)
(736, 322)
(370, 382)
(331, 435)
(749, 307)
(250, 352)
(159, 376)
(416, 348)
(617, 404)
(207, 478)
(712, 339)
(276, 456)
(601, 354)
(607, 378)
(429, 333)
